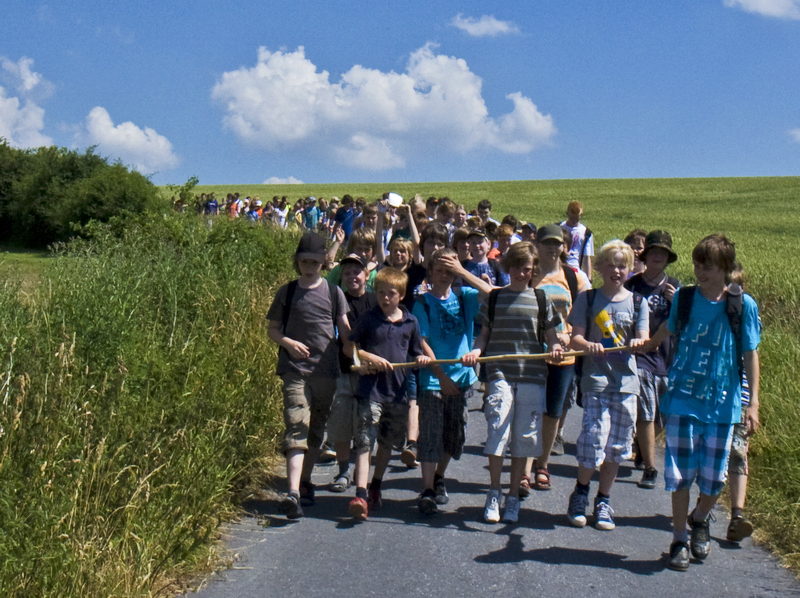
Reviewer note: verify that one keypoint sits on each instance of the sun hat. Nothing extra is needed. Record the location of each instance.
(550, 232)
(662, 240)
(311, 247)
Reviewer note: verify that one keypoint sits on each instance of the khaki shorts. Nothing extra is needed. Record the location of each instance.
(306, 406)
(514, 416)
(343, 421)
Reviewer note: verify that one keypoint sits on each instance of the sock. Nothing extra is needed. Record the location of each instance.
(582, 488)
(375, 484)
(437, 477)
(698, 516)
(361, 493)
(344, 467)
(603, 497)
(680, 536)
(428, 492)
(736, 512)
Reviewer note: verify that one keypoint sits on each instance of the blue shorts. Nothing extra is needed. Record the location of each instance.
(558, 379)
(696, 451)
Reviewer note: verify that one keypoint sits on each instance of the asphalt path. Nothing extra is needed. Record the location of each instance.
(399, 552)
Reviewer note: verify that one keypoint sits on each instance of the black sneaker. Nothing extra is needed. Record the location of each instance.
(678, 556)
(306, 493)
(290, 506)
(649, 477)
(427, 502)
(738, 529)
(440, 491)
(701, 537)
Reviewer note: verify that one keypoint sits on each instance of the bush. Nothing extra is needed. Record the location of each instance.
(44, 193)
(137, 397)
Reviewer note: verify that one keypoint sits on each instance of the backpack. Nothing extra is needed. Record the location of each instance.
(587, 235)
(540, 318)
(734, 305)
(572, 281)
(590, 295)
(290, 291)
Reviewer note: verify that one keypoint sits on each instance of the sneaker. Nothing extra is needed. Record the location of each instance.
(649, 477)
(375, 498)
(603, 514)
(511, 510)
(558, 445)
(576, 512)
(700, 542)
(359, 509)
(442, 498)
(491, 510)
(306, 493)
(678, 556)
(326, 454)
(525, 487)
(427, 502)
(738, 529)
(409, 456)
(290, 506)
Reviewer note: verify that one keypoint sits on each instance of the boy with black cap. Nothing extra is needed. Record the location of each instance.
(654, 285)
(303, 319)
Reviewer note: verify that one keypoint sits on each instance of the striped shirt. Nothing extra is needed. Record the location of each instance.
(515, 330)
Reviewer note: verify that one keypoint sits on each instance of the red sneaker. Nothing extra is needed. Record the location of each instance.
(359, 509)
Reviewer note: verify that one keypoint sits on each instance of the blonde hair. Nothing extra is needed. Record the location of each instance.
(402, 243)
(361, 237)
(610, 250)
(394, 278)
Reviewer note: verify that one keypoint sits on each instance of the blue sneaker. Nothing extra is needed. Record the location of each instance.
(603, 514)
(576, 512)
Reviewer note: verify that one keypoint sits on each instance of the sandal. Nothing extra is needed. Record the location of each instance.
(341, 482)
(525, 487)
(542, 479)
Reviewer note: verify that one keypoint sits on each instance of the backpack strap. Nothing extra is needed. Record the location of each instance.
(586, 237)
(590, 294)
(637, 308)
(734, 306)
(685, 300)
(541, 300)
(572, 281)
(491, 304)
(290, 291)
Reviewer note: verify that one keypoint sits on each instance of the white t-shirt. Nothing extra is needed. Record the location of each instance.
(578, 232)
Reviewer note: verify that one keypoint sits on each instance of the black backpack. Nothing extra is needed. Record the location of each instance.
(734, 305)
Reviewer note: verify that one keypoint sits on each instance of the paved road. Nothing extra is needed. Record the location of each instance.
(399, 552)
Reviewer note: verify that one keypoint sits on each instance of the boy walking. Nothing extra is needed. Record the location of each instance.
(446, 321)
(717, 331)
(601, 319)
(383, 335)
(581, 246)
(308, 364)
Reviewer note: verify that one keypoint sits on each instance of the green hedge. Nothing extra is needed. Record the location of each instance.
(137, 394)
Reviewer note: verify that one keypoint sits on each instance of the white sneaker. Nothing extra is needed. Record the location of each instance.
(511, 510)
(491, 511)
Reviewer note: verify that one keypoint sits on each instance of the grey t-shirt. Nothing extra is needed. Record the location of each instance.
(612, 372)
(514, 330)
(311, 321)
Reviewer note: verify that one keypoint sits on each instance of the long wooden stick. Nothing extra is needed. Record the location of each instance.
(507, 357)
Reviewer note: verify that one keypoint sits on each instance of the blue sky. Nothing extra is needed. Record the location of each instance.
(319, 92)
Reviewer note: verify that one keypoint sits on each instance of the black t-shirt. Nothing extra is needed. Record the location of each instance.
(657, 361)
(358, 306)
(416, 276)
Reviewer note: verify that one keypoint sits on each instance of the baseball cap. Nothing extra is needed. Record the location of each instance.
(550, 232)
(311, 247)
(353, 258)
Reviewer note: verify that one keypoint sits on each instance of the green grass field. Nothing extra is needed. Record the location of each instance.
(761, 215)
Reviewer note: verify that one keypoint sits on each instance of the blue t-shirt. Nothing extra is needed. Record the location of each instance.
(448, 331)
(345, 219)
(311, 217)
(704, 378)
(497, 277)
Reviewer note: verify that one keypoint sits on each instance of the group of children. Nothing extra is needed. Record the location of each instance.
(360, 356)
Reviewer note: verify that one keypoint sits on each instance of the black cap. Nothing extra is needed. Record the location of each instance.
(311, 247)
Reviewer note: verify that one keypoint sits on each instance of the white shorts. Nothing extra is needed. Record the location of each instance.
(514, 416)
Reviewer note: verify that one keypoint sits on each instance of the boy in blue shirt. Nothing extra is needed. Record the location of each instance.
(704, 398)
(446, 319)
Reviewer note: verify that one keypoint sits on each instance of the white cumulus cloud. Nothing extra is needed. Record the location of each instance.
(781, 9)
(487, 25)
(370, 119)
(274, 180)
(144, 148)
(795, 134)
(21, 117)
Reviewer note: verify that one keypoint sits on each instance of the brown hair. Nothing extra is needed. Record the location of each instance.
(393, 277)
(520, 254)
(716, 250)
(361, 237)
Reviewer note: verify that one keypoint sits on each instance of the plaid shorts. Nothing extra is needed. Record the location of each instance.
(442, 425)
(386, 421)
(609, 419)
(737, 464)
(696, 450)
(651, 389)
